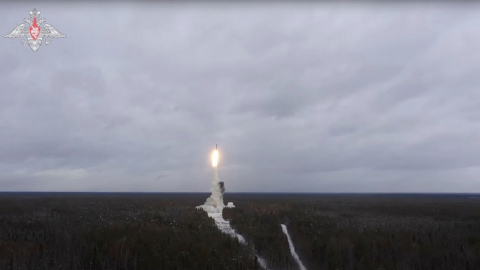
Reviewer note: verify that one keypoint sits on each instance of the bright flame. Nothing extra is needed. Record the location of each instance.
(215, 158)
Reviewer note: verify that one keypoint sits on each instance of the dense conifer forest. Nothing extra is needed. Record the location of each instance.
(165, 231)
(363, 231)
(114, 232)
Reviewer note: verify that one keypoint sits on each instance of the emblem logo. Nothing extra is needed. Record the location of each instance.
(35, 34)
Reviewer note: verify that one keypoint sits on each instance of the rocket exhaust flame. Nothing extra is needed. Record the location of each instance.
(215, 158)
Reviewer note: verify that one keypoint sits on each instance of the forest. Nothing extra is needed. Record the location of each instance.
(165, 231)
(114, 232)
(363, 231)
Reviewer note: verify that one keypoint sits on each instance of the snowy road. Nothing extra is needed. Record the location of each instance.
(292, 248)
(225, 227)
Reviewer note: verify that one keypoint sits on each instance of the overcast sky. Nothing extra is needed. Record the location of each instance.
(299, 98)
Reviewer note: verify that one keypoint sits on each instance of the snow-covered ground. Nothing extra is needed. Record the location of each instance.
(292, 248)
(225, 227)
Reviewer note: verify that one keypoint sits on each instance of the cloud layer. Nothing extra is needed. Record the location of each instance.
(301, 98)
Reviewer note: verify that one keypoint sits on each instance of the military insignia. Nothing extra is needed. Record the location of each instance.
(34, 33)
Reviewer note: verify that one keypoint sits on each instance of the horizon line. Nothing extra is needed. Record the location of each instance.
(239, 192)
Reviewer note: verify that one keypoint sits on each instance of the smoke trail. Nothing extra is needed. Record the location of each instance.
(292, 248)
(214, 203)
(222, 187)
(214, 206)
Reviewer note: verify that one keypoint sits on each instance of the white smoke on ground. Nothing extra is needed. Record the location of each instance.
(214, 206)
(224, 226)
(292, 248)
(214, 203)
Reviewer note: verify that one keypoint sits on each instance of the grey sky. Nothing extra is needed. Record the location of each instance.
(302, 98)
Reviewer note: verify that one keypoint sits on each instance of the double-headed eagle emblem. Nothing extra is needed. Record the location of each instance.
(34, 35)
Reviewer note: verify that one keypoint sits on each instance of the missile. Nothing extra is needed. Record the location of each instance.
(215, 146)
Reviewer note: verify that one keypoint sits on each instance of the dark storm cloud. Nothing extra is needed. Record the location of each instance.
(307, 97)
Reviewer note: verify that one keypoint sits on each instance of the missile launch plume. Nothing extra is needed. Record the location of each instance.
(216, 199)
(214, 203)
(214, 206)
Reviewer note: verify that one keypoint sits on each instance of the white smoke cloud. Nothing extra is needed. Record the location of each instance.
(214, 206)
(214, 203)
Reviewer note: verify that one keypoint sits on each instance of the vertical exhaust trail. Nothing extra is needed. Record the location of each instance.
(214, 206)
(292, 248)
(214, 203)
